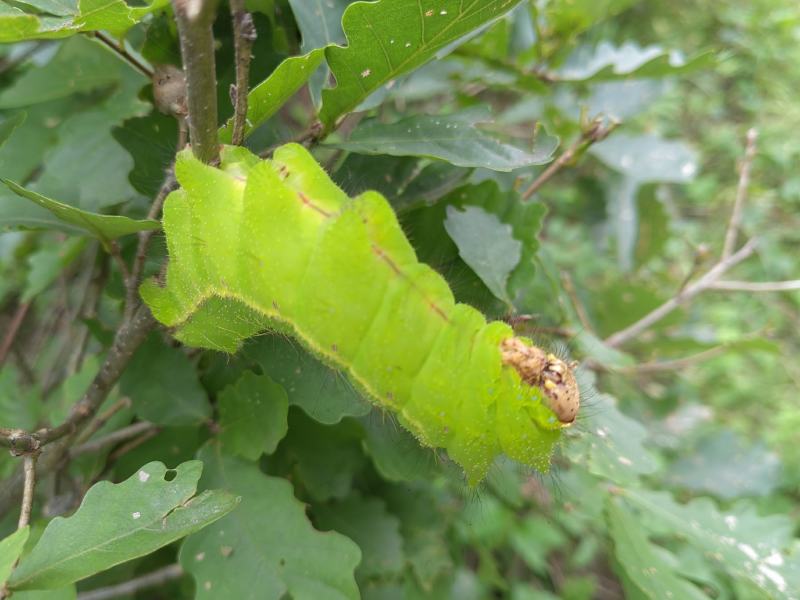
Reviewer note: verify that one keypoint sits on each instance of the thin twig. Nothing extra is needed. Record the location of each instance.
(676, 364)
(129, 588)
(29, 468)
(741, 195)
(756, 286)
(195, 18)
(137, 271)
(129, 337)
(103, 418)
(580, 309)
(113, 438)
(596, 132)
(13, 329)
(120, 49)
(114, 251)
(244, 34)
(689, 292)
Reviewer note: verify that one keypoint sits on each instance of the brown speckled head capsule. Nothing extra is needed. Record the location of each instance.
(547, 372)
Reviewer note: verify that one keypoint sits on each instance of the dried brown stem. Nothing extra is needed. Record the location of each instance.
(113, 438)
(596, 132)
(741, 195)
(129, 588)
(195, 19)
(103, 418)
(757, 286)
(13, 329)
(244, 34)
(29, 468)
(119, 48)
(684, 296)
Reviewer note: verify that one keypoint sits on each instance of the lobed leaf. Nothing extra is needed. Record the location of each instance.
(118, 522)
(391, 37)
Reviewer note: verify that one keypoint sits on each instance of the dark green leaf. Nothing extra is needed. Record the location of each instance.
(8, 125)
(367, 522)
(324, 394)
(252, 416)
(486, 245)
(47, 263)
(151, 142)
(396, 454)
(266, 549)
(116, 523)
(163, 385)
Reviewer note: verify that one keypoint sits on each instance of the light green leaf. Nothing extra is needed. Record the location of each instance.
(9, 124)
(645, 158)
(611, 444)
(758, 550)
(643, 562)
(163, 385)
(391, 37)
(321, 392)
(79, 65)
(10, 550)
(454, 138)
(377, 532)
(118, 522)
(113, 16)
(104, 227)
(486, 244)
(47, 263)
(267, 97)
(64, 593)
(266, 549)
(607, 62)
(252, 416)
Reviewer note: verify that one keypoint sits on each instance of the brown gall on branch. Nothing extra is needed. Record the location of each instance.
(549, 373)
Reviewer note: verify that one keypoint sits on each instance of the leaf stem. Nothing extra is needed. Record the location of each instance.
(119, 48)
(128, 588)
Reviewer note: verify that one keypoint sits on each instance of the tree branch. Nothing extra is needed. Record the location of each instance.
(741, 194)
(686, 294)
(154, 579)
(29, 468)
(244, 34)
(13, 329)
(113, 438)
(129, 337)
(756, 286)
(596, 132)
(195, 18)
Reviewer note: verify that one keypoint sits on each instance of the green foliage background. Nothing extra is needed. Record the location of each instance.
(675, 483)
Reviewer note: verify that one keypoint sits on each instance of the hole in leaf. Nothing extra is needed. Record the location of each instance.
(170, 475)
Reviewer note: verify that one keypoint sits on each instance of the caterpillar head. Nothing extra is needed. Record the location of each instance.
(546, 371)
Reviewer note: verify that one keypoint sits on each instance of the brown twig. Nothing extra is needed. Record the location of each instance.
(29, 468)
(129, 588)
(580, 309)
(113, 438)
(686, 294)
(195, 18)
(119, 48)
(103, 418)
(244, 34)
(13, 329)
(734, 223)
(756, 286)
(137, 271)
(595, 132)
(129, 337)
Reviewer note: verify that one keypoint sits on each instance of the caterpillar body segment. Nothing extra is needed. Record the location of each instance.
(264, 244)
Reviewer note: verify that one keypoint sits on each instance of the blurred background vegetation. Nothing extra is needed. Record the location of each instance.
(704, 451)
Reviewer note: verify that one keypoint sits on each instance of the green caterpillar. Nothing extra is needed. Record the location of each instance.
(275, 244)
